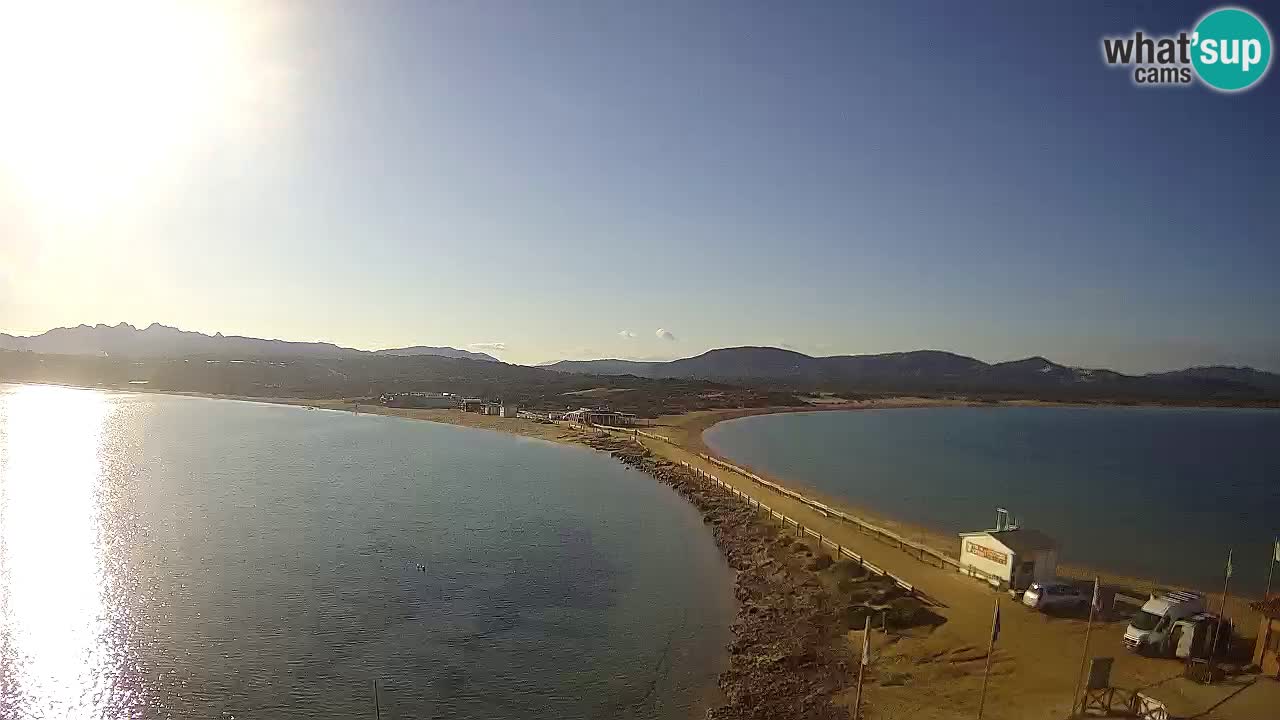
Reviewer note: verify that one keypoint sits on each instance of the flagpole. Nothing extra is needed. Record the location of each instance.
(862, 666)
(1226, 583)
(982, 699)
(1222, 613)
(1271, 566)
(1084, 659)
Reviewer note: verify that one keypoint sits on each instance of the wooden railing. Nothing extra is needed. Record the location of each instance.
(922, 552)
(839, 550)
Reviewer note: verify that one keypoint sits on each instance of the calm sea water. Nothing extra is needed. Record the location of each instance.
(187, 558)
(1151, 492)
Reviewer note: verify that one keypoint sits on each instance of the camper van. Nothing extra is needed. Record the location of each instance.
(1150, 631)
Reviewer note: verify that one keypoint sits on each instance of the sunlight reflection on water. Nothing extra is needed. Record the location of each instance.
(170, 558)
(52, 579)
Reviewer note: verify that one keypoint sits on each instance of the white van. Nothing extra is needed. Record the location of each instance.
(1150, 629)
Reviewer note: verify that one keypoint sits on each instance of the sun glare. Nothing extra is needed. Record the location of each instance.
(100, 96)
(51, 610)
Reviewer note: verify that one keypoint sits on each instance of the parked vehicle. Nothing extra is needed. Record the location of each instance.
(1055, 596)
(1150, 630)
(1194, 636)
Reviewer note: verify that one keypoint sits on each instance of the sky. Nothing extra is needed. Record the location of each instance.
(637, 179)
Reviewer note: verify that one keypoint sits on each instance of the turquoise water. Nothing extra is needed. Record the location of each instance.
(1162, 493)
(178, 557)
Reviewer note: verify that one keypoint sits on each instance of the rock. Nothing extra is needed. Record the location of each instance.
(846, 568)
(820, 562)
(883, 597)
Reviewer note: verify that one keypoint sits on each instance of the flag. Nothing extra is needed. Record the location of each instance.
(866, 642)
(1097, 597)
(1228, 564)
(995, 624)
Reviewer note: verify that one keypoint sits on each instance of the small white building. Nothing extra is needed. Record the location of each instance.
(508, 410)
(1008, 556)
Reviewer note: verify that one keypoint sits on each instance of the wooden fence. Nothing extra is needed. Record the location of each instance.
(922, 552)
(839, 550)
(654, 436)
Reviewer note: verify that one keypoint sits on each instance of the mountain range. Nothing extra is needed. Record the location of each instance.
(158, 340)
(934, 370)
(921, 371)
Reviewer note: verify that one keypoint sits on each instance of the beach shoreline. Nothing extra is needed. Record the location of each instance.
(934, 673)
(688, 431)
(931, 673)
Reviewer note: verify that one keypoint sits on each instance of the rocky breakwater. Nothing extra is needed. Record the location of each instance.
(790, 657)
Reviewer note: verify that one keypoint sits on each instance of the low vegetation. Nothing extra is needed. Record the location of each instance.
(369, 376)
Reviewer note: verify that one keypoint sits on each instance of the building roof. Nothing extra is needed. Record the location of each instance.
(1020, 541)
(1268, 608)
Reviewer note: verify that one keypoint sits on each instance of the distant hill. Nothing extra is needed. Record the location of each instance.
(767, 363)
(367, 375)
(758, 371)
(937, 371)
(1223, 374)
(439, 352)
(158, 340)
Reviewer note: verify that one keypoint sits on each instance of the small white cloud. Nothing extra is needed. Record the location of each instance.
(664, 334)
(626, 334)
(494, 346)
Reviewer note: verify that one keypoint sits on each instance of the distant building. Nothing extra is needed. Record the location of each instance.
(470, 404)
(1008, 556)
(508, 410)
(419, 400)
(597, 416)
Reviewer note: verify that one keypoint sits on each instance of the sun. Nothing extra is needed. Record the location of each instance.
(98, 97)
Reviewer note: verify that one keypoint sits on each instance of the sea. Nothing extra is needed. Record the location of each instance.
(176, 557)
(1165, 494)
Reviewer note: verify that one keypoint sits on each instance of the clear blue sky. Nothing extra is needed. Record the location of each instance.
(833, 177)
